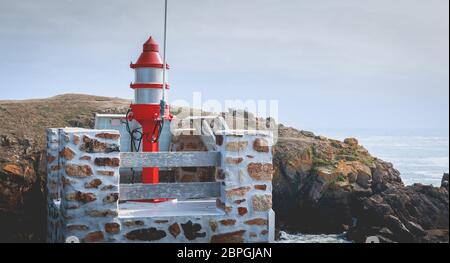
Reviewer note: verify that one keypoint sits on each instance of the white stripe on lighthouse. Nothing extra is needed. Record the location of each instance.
(148, 96)
(149, 75)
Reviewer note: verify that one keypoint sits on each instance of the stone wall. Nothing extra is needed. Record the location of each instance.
(246, 174)
(87, 176)
(83, 170)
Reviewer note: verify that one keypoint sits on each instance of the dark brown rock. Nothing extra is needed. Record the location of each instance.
(110, 136)
(101, 213)
(213, 225)
(94, 146)
(146, 234)
(242, 211)
(408, 212)
(192, 231)
(262, 187)
(85, 158)
(232, 237)
(228, 222)
(133, 223)
(174, 230)
(78, 170)
(112, 228)
(112, 162)
(257, 221)
(240, 191)
(71, 206)
(106, 173)
(261, 145)
(93, 184)
(50, 158)
(93, 237)
(67, 153)
(398, 228)
(81, 197)
(111, 198)
(260, 171)
(109, 187)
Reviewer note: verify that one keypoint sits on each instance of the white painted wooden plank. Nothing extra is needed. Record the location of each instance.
(169, 190)
(169, 159)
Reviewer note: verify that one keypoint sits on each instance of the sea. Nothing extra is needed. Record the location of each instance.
(421, 156)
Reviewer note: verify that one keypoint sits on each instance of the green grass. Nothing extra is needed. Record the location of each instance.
(341, 178)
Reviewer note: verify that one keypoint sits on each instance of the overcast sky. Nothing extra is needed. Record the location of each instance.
(331, 64)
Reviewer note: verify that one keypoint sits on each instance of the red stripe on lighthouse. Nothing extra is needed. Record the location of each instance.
(148, 86)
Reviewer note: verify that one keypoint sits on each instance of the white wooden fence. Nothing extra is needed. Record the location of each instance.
(169, 190)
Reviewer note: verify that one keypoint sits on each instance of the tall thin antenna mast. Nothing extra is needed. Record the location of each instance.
(163, 102)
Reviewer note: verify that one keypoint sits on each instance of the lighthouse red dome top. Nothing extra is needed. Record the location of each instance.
(149, 57)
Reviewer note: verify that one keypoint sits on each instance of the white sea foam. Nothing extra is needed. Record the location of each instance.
(303, 238)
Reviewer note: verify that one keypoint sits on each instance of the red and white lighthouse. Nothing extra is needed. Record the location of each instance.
(149, 107)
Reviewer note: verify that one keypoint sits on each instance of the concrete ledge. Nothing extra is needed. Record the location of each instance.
(170, 208)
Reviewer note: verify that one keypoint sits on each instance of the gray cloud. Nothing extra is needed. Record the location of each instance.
(348, 63)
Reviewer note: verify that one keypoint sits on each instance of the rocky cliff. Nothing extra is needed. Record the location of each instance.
(22, 141)
(321, 185)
